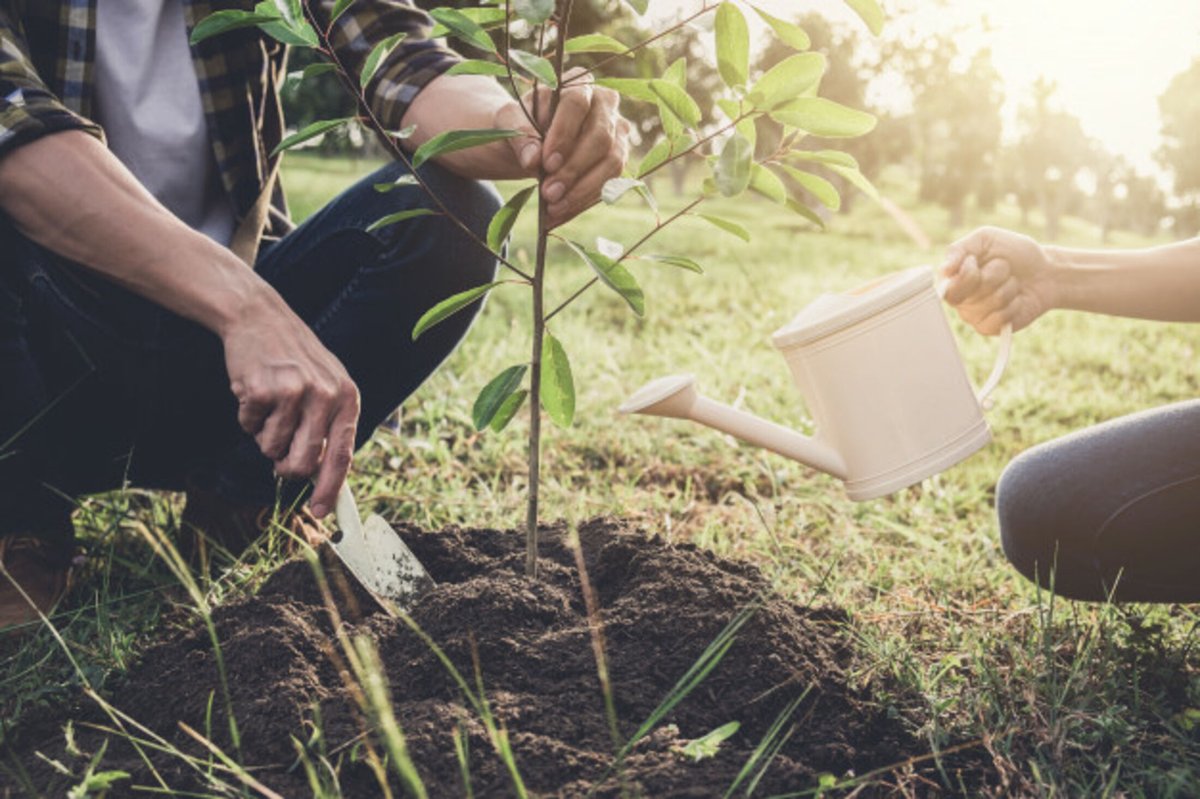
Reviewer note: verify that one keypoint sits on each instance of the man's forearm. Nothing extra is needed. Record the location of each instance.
(464, 102)
(67, 192)
(1161, 283)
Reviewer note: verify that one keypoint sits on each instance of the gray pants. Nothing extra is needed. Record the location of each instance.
(1113, 510)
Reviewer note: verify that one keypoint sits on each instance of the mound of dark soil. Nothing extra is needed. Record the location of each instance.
(661, 607)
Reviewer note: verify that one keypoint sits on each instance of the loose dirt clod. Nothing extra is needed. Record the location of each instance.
(661, 607)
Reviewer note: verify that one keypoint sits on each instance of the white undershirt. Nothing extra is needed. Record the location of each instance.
(148, 102)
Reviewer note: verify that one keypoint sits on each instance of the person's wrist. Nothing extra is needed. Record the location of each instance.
(1059, 277)
(235, 296)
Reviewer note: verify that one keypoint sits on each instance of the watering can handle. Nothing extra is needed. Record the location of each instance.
(1002, 356)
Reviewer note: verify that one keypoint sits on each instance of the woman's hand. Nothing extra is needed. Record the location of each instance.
(997, 277)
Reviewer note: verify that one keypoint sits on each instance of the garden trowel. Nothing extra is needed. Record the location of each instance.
(377, 556)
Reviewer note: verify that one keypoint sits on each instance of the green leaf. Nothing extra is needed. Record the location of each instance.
(596, 43)
(732, 170)
(312, 70)
(677, 101)
(857, 179)
(309, 132)
(535, 12)
(733, 45)
(493, 396)
(768, 184)
(290, 10)
(827, 157)
(708, 745)
(677, 73)
(454, 140)
(825, 192)
(508, 410)
(450, 306)
(463, 27)
(302, 35)
(378, 53)
(789, 33)
(727, 225)
(504, 220)
(400, 216)
(614, 275)
(676, 260)
(536, 66)
(476, 67)
(223, 21)
(617, 188)
(400, 182)
(824, 118)
(870, 12)
(633, 88)
(807, 213)
(657, 156)
(787, 80)
(287, 27)
(339, 8)
(639, 6)
(557, 384)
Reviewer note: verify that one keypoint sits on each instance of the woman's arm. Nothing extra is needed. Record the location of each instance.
(998, 277)
(1160, 283)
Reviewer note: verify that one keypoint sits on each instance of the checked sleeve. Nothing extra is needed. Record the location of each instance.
(412, 64)
(28, 109)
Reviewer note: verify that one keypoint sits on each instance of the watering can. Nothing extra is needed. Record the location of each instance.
(884, 382)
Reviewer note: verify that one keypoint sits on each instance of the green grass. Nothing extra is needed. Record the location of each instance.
(1071, 699)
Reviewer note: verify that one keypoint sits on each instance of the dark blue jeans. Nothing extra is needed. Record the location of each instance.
(1111, 511)
(100, 388)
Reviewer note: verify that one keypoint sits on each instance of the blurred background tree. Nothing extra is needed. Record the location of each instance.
(1180, 152)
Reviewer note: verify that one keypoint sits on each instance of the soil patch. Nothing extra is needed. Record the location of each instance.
(661, 607)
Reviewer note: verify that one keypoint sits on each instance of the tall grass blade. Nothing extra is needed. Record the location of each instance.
(767, 748)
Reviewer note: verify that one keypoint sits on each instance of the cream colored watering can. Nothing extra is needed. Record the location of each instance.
(884, 383)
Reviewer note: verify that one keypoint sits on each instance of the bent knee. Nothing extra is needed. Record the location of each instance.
(1026, 507)
(1044, 529)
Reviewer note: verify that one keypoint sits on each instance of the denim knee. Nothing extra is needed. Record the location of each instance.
(464, 260)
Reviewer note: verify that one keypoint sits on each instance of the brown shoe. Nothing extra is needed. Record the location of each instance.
(212, 524)
(43, 574)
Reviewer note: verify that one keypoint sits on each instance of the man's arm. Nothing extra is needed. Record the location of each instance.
(999, 277)
(67, 192)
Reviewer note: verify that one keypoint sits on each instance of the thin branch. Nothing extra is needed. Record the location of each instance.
(512, 78)
(629, 253)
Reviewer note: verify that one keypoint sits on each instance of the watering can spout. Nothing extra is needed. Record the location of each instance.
(676, 397)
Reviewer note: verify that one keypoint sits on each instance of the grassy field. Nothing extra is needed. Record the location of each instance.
(1070, 699)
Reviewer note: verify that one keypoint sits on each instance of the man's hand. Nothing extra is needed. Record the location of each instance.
(997, 277)
(587, 140)
(586, 144)
(295, 398)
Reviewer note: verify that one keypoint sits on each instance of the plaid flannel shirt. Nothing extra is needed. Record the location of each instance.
(47, 57)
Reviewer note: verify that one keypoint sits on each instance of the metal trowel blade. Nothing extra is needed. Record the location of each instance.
(377, 556)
